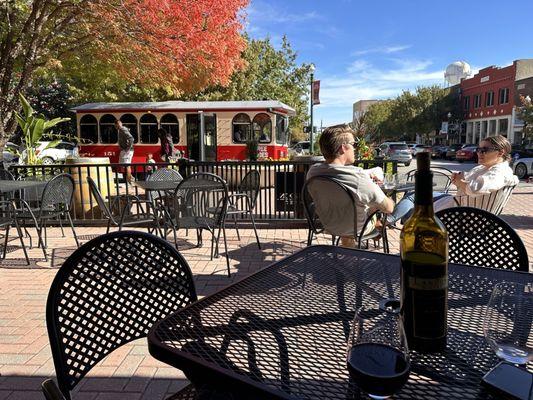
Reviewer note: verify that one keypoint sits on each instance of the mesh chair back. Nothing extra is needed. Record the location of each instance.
(441, 179)
(202, 198)
(109, 292)
(493, 202)
(477, 237)
(99, 199)
(250, 186)
(164, 175)
(58, 192)
(334, 205)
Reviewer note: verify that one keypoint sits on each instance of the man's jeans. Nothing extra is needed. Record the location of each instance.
(404, 208)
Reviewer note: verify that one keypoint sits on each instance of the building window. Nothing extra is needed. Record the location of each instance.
(108, 132)
(130, 122)
(241, 128)
(466, 104)
(504, 96)
(489, 99)
(169, 122)
(88, 129)
(282, 129)
(262, 128)
(504, 123)
(148, 128)
(492, 127)
(477, 101)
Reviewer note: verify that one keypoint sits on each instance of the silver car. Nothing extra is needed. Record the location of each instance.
(395, 151)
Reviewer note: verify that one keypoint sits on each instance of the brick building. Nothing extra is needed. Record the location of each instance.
(490, 101)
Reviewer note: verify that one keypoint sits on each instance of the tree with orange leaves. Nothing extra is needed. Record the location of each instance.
(179, 45)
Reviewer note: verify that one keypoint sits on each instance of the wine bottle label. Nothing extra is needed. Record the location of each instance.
(429, 313)
(428, 284)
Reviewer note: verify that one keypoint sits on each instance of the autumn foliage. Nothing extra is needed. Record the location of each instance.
(185, 45)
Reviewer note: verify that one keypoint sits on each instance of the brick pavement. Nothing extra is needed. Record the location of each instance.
(130, 372)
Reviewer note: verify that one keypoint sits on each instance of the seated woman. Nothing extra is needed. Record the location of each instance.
(491, 175)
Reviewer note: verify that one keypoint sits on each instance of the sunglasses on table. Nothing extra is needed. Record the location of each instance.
(484, 150)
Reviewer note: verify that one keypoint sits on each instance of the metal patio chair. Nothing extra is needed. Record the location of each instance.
(201, 202)
(477, 237)
(493, 202)
(441, 178)
(8, 217)
(55, 203)
(328, 194)
(315, 227)
(125, 218)
(108, 293)
(244, 200)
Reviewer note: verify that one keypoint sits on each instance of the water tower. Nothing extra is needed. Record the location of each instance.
(457, 71)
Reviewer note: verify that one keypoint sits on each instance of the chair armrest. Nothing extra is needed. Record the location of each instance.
(233, 197)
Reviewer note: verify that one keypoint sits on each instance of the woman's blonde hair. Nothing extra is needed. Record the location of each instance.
(501, 143)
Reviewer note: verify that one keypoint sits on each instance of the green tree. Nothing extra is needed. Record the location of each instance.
(526, 115)
(268, 74)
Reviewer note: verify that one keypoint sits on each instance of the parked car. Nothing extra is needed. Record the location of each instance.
(439, 151)
(396, 151)
(300, 148)
(518, 151)
(523, 167)
(418, 148)
(54, 155)
(466, 154)
(450, 154)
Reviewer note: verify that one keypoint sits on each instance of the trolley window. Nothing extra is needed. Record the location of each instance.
(108, 133)
(88, 129)
(262, 126)
(148, 128)
(169, 122)
(282, 130)
(130, 122)
(241, 128)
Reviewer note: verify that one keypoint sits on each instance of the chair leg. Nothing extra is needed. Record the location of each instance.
(72, 227)
(61, 226)
(108, 225)
(309, 237)
(255, 230)
(39, 229)
(199, 238)
(5, 244)
(225, 246)
(21, 237)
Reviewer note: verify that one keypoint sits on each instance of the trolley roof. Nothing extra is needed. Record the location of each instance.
(193, 106)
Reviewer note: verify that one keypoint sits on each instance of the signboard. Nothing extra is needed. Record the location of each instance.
(444, 127)
(315, 90)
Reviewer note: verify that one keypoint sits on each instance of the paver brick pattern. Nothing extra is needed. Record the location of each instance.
(130, 372)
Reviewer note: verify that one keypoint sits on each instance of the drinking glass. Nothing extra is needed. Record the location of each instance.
(378, 357)
(508, 322)
(390, 181)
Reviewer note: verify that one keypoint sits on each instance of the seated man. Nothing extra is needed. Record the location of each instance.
(337, 146)
(492, 174)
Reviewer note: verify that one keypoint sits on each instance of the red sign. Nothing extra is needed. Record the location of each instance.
(315, 90)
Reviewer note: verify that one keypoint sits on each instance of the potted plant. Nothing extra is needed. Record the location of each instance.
(252, 146)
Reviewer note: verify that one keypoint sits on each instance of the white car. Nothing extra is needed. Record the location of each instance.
(523, 167)
(53, 155)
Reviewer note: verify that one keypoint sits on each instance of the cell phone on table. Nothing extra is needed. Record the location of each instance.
(507, 381)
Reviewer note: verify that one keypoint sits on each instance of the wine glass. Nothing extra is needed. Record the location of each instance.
(378, 357)
(390, 181)
(508, 322)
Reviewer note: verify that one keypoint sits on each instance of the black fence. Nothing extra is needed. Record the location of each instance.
(279, 197)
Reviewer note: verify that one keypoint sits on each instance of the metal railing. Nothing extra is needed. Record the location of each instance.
(278, 199)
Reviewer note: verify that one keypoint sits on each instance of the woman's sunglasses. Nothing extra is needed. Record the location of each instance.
(484, 150)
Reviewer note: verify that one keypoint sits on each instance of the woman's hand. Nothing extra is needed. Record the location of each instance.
(457, 177)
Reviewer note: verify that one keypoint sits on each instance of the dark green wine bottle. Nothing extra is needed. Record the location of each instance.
(424, 272)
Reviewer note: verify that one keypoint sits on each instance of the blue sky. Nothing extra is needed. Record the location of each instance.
(376, 49)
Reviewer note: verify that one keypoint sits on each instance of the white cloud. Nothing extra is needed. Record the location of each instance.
(363, 81)
(381, 50)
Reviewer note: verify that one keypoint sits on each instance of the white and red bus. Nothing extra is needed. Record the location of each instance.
(226, 127)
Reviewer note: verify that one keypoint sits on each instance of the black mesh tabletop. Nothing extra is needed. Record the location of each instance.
(283, 331)
(12, 186)
(158, 185)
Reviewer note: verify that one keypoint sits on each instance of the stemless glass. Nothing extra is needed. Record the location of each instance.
(378, 357)
(390, 181)
(508, 322)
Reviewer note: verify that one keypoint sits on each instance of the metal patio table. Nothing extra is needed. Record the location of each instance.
(282, 332)
(13, 186)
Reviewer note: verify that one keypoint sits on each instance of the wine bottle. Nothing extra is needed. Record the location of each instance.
(424, 272)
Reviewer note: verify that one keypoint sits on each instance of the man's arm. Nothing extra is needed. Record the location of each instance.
(387, 205)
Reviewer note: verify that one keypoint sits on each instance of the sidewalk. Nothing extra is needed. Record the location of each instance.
(130, 372)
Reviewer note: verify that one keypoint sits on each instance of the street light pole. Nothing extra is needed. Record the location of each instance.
(312, 70)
